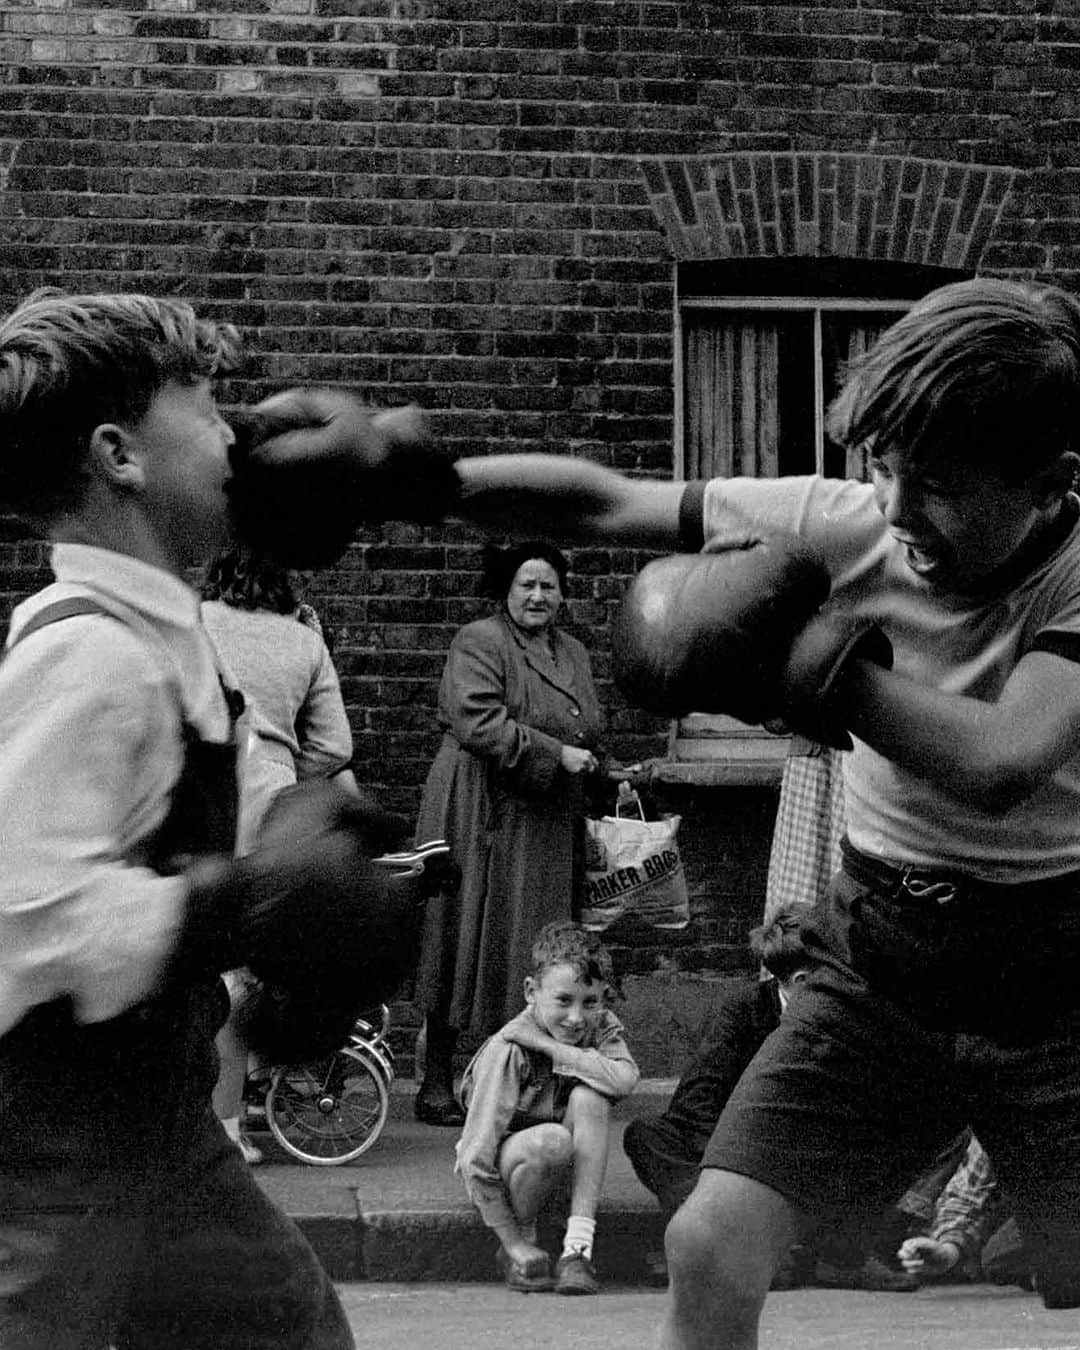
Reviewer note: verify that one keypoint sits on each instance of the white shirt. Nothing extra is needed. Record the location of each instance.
(91, 715)
(961, 645)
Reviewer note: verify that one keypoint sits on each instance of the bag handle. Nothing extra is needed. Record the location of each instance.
(627, 800)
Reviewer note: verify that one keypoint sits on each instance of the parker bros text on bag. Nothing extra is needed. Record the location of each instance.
(633, 865)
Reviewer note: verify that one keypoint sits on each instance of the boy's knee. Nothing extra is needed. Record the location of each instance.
(587, 1103)
(692, 1242)
(707, 1286)
(712, 1248)
(550, 1146)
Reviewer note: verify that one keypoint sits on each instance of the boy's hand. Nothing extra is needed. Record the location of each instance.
(309, 465)
(741, 631)
(310, 913)
(523, 1031)
(709, 632)
(927, 1256)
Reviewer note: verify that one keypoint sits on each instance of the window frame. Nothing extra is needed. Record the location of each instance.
(720, 751)
(815, 305)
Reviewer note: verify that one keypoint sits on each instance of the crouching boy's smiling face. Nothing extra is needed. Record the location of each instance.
(563, 1003)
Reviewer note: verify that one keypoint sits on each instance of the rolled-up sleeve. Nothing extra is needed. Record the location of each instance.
(90, 748)
(608, 1067)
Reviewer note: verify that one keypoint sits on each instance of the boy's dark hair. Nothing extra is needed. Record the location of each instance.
(69, 363)
(984, 374)
(566, 942)
(500, 565)
(244, 580)
(778, 944)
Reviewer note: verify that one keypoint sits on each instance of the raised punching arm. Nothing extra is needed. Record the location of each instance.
(570, 499)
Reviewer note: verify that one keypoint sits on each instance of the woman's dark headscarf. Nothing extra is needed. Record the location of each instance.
(501, 565)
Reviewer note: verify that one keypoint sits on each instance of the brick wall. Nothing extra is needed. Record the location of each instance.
(477, 207)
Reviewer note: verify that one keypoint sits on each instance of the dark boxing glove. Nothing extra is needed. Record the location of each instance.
(812, 704)
(741, 632)
(709, 632)
(311, 465)
(326, 930)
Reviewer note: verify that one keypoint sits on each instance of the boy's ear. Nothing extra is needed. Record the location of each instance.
(1052, 483)
(530, 989)
(114, 454)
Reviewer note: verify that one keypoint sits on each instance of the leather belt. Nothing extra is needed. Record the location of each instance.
(926, 885)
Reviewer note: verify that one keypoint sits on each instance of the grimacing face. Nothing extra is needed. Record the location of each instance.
(954, 529)
(535, 596)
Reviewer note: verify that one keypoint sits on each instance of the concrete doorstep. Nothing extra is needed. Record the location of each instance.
(399, 1212)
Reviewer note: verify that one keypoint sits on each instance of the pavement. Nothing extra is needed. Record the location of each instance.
(399, 1212)
(467, 1317)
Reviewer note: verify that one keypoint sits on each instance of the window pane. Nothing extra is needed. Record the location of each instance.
(843, 338)
(748, 394)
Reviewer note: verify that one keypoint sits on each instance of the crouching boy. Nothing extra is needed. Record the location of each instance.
(538, 1098)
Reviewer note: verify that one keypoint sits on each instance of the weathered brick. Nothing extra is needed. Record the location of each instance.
(481, 208)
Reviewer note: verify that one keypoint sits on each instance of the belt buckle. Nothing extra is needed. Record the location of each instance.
(922, 887)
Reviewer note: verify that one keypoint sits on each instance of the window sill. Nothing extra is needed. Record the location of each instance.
(718, 773)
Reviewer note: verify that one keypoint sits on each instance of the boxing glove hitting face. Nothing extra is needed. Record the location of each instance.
(311, 465)
(708, 632)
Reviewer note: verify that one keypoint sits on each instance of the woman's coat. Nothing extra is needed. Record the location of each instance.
(511, 814)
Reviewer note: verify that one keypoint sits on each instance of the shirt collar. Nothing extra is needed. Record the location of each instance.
(141, 586)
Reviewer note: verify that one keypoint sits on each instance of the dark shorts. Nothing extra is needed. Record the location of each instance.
(923, 1019)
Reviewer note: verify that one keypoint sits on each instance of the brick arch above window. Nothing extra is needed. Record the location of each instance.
(761, 204)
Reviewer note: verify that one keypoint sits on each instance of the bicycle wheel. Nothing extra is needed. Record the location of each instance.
(330, 1111)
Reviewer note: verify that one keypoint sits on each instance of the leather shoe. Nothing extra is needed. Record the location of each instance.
(438, 1111)
(873, 1275)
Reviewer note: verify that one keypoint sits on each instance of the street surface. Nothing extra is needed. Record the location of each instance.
(489, 1317)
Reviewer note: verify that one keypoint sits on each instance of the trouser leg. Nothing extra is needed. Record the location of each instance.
(224, 1269)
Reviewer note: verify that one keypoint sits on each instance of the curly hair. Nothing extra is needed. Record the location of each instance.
(245, 580)
(500, 565)
(69, 363)
(982, 373)
(565, 942)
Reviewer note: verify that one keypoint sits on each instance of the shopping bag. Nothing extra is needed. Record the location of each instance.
(633, 866)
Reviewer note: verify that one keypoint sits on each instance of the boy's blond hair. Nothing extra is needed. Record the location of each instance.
(69, 363)
(982, 374)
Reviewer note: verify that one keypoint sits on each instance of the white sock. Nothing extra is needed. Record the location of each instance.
(579, 1236)
(232, 1127)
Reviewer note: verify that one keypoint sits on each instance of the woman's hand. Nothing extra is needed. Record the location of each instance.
(576, 760)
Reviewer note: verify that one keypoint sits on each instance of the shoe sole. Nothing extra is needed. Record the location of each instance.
(524, 1286)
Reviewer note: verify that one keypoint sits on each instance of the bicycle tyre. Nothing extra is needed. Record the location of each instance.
(331, 1111)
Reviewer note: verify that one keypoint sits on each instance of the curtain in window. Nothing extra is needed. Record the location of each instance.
(732, 397)
(844, 338)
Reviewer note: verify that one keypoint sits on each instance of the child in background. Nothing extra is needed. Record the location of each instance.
(538, 1098)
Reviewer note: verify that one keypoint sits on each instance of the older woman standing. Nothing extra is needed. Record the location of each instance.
(520, 720)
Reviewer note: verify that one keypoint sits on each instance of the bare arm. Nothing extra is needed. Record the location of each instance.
(567, 498)
(995, 754)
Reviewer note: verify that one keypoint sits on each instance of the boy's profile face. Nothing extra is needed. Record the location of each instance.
(954, 527)
(564, 1004)
(183, 446)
